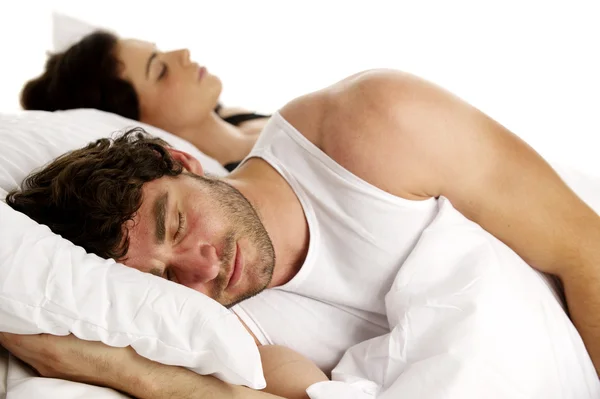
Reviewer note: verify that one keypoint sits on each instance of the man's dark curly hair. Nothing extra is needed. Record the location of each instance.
(88, 194)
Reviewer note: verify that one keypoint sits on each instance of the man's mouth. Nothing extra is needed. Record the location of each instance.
(236, 268)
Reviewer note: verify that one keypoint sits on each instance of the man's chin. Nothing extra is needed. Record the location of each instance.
(251, 293)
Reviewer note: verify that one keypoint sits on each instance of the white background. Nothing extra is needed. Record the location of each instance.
(532, 65)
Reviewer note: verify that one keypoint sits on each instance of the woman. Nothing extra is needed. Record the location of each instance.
(133, 79)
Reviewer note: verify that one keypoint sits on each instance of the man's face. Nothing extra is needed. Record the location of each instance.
(202, 233)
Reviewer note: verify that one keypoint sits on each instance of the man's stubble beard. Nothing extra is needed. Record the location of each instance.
(245, 222)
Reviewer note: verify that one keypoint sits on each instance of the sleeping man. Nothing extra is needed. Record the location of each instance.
(326, 208)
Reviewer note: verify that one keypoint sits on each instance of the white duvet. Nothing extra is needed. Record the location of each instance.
(468, 319)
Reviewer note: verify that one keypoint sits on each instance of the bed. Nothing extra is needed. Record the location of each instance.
(386, 366)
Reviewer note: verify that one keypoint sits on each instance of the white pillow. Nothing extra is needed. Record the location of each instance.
(48, 285)
(31, 139)
(67, 30)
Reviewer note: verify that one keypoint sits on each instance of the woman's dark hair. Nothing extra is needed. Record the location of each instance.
(86, 75)
(87, 195)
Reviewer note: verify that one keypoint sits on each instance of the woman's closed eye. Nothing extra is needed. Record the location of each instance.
(163, 71)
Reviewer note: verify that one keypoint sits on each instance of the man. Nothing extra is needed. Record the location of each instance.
(336, 192)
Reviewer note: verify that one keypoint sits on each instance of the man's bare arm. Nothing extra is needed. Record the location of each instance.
(287, 373)
(151, 380)
(415, 140)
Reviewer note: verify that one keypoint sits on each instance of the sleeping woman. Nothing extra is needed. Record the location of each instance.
(132, 78)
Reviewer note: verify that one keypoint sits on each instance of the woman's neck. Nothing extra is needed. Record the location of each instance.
(218, 139)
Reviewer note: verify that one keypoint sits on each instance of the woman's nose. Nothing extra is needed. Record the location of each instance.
(184, 55)
(181, 56)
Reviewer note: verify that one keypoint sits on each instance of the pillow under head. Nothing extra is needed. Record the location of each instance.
(49, 285)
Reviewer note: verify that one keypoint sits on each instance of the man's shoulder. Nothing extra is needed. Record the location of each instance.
(356, 123)
(345, 108)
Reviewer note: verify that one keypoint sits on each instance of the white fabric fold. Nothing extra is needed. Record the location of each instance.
(468, 319)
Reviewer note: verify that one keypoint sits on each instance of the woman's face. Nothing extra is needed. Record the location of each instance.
(174, 92)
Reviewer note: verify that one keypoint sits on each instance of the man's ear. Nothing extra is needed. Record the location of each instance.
(189, 163)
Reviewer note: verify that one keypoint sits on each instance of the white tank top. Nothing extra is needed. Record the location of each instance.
(359, 238)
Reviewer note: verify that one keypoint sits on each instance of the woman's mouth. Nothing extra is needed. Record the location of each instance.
(201, 72)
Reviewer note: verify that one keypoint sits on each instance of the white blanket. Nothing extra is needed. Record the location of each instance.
(468, 319)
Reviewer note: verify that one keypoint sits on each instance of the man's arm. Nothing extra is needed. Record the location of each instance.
(287, 373)
(415, 140)
(150, 380)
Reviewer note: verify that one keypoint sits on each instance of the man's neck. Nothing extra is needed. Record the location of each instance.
(280, 212)
(218, 139)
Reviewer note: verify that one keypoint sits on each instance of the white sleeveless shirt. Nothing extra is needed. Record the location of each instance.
(359, 238)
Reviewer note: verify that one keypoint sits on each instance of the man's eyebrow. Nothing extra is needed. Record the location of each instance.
(152, 57)
(160, 211)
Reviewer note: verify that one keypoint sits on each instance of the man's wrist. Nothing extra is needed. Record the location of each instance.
(132, 374)
(146, 379)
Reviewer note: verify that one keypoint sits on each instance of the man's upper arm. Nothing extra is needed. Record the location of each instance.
(416, 140)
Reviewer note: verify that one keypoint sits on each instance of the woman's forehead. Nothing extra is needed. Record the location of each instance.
(134, 55)
(135, 44)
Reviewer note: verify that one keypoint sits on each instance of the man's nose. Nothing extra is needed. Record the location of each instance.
(197, 266)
